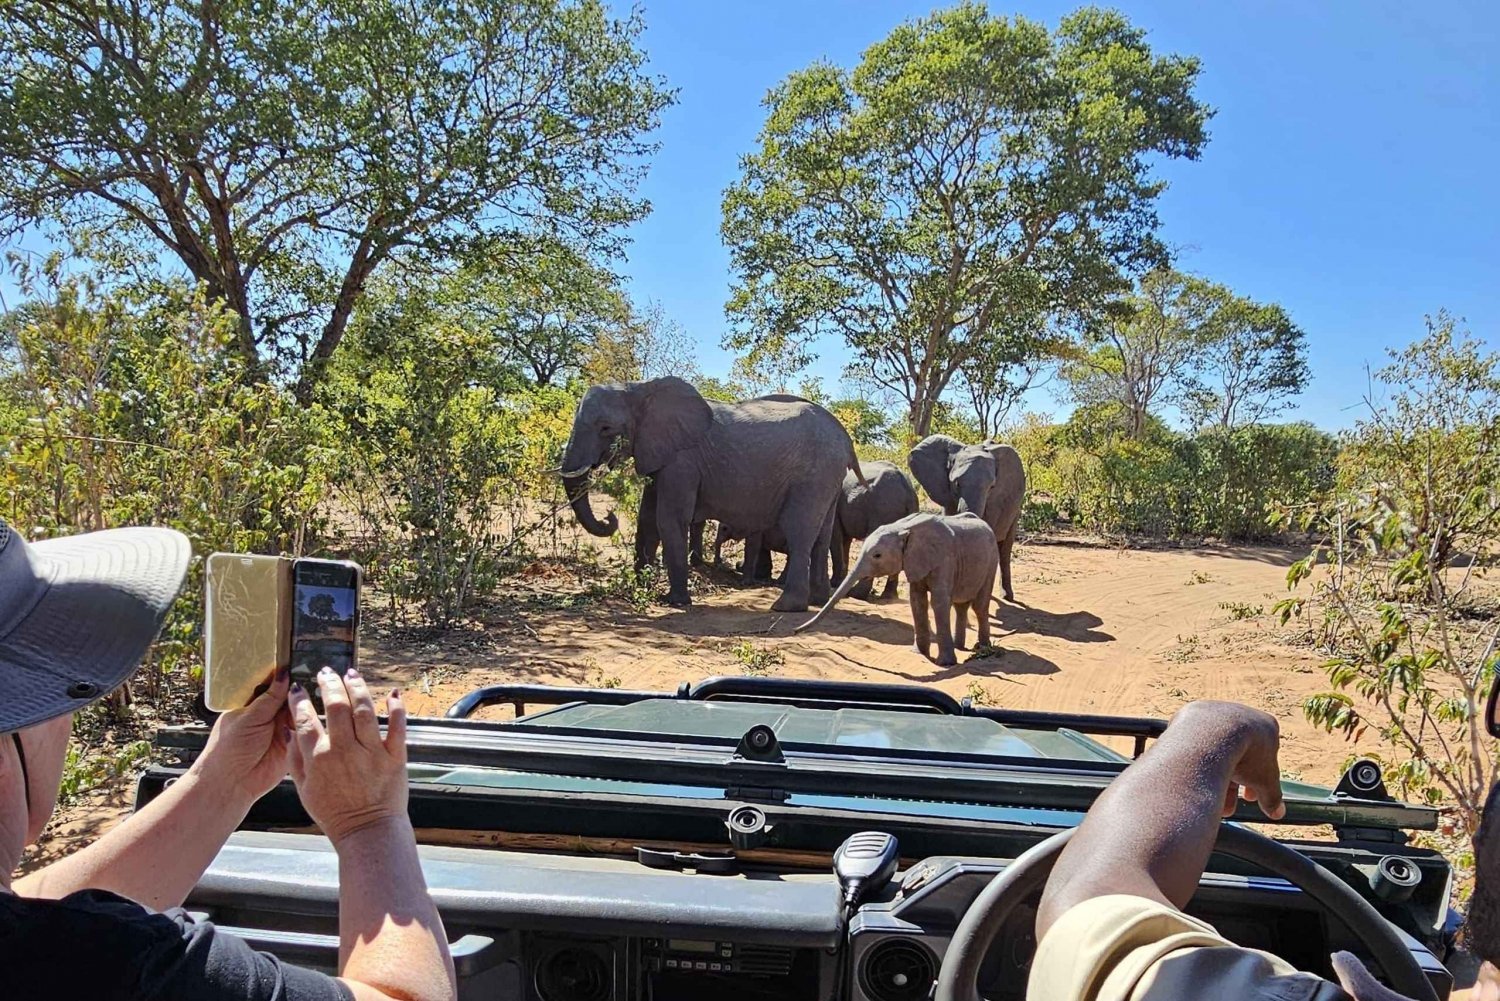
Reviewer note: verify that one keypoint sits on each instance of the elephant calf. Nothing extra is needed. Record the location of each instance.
(949, 559)
(885, 496)
(987, 479)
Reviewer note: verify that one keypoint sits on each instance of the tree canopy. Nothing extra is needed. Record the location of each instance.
(970, 171)
(281, 151)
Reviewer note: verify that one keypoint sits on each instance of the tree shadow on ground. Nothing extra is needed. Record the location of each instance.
(1075, 627)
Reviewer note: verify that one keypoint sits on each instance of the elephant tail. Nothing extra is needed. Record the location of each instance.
(859, 474)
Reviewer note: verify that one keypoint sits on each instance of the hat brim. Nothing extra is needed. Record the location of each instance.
(107, 597)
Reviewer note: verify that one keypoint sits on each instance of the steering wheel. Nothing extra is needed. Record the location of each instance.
(958, 979)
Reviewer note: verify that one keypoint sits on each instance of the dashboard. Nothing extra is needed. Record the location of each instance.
(537, 926)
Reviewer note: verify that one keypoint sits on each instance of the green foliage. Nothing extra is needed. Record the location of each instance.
(1168, 484)
(281, 152)
(1241, 610)
(126, 406)
(756, 660)
(1408, 536)
(447, 450)
(972, 173)
(86, 769)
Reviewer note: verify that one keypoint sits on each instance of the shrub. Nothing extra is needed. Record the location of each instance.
(125, 406)
(1403, 545)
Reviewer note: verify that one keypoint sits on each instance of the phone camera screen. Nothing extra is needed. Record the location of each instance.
(325, 611)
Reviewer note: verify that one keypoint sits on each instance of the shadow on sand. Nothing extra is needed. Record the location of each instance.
(1075, 627)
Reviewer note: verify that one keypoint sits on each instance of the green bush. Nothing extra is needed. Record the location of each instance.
(125, 406)
(1169, 484)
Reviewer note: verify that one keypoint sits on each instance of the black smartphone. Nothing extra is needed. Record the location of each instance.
(325, 619)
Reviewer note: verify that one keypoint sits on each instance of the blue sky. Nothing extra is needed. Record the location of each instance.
(1353, 173)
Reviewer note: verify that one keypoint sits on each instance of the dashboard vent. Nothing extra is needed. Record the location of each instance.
(574, 973)
(763, 960)
(897, 969)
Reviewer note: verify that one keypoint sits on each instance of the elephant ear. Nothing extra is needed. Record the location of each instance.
(670, 415)
(922, 551)
(929, 463)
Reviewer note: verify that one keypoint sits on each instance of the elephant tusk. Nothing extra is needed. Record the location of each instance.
(574, 473)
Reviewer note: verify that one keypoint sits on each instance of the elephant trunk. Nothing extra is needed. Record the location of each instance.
(577, 488)
(833, 599)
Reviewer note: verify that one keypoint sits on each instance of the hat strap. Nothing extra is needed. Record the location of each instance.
(15, 735)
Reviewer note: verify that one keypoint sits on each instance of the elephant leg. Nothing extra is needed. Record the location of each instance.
(942, 620)
(1006, 545)
(674, 516)
(646, 537)
(802, 527)
(921, 631)
(890, 587)
(840, 551)
(695, 544)
(820, 588)
(982, 612)
(960, 624)
(754, 551)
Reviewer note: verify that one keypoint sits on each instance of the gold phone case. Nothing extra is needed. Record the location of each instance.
(247, 633)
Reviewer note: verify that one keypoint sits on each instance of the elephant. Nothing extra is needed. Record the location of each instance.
(758, 464)
(986, 479)
(758, 549)
(647, 540)
(887, 496)
(950, 559)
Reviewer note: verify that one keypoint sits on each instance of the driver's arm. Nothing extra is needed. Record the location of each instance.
(1150, 833)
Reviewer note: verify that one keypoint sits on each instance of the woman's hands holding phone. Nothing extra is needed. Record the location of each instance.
(246, 753)
(348, 774)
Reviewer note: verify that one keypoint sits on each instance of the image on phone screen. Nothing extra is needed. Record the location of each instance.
(325, 613)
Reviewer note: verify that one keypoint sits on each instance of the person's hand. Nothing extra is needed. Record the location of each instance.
(246, 752)
(348, 775)
(1253, 738)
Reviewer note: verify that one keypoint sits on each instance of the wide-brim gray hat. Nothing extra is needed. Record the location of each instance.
(77, 615)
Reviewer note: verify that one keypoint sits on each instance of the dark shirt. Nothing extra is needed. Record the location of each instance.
(99, 946)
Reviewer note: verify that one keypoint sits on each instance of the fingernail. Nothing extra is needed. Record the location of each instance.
(395, 693)
(297, 687)
(282, 673)
(351, 673)
(325, 669)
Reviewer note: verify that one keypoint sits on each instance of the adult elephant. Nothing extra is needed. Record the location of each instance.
(757, 464)
(987, 479)
(885, 496)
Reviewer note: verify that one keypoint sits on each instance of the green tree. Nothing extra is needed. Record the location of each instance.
(1397, 579)
(1251, 361)
(546, 312)
(1136, 350)
(282, 151)
(971, 169)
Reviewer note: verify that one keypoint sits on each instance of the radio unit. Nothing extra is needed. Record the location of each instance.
(662, 955)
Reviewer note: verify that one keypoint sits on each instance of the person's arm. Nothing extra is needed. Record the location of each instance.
(1150, 833)
(353, 783)
(157, 855)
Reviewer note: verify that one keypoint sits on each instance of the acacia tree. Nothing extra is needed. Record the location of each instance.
(282, 150)
(970, 169)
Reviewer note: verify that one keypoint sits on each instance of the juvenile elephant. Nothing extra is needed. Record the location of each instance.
(887, 496)
(758, 549)
(757, 464)
(986, 479)
(949, 559)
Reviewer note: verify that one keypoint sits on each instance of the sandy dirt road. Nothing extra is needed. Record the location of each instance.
(1098, 630)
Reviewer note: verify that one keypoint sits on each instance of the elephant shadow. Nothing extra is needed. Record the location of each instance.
(990, 662)
(1075, 627)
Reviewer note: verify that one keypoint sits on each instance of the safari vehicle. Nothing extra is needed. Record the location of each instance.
(754, 838)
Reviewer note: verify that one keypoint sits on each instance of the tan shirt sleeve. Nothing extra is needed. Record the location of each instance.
(1125, 948)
